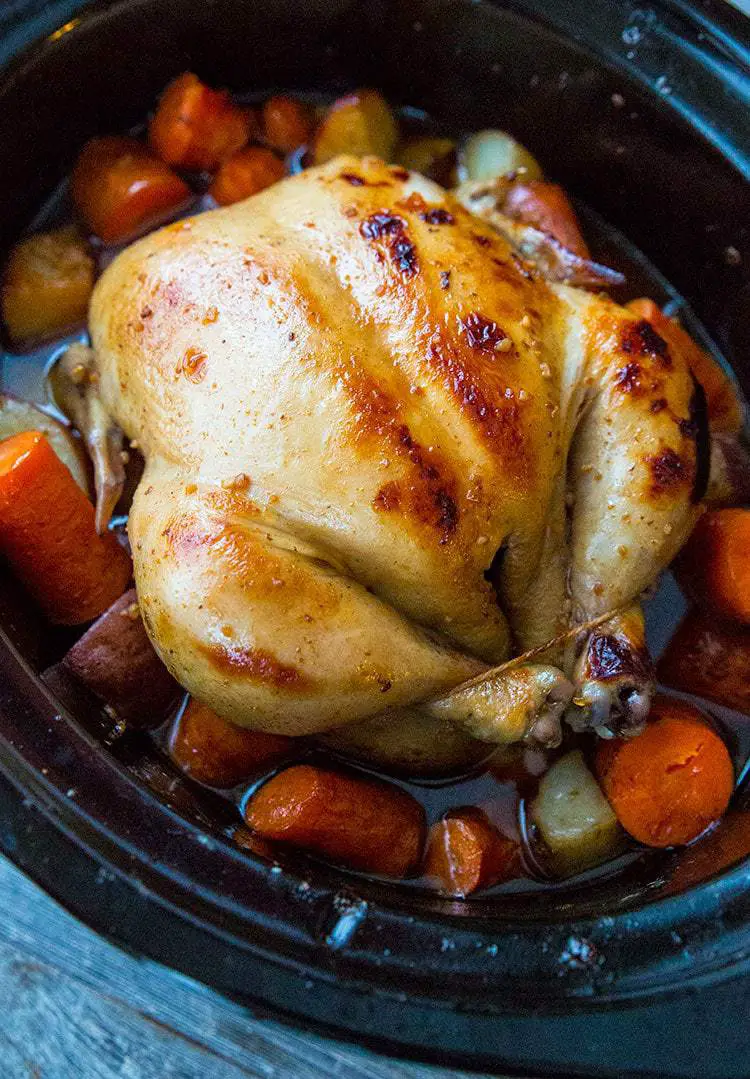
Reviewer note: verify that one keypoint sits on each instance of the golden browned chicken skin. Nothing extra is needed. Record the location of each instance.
(383, 453)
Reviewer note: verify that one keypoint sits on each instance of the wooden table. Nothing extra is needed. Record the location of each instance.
(76, 1007)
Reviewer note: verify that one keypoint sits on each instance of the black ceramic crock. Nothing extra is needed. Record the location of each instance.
(644, 112)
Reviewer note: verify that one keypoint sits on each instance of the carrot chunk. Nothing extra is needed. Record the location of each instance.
(248, 840)
(725, 410)
(121, 189)
(219, 753)
(361, 823)
(245, 173)
(465, 852)
(714, 567)
(709, 659)
(546, 207)
(48, 536)
(287, 123)
(47, 284)
(195, 127)
(671, 782)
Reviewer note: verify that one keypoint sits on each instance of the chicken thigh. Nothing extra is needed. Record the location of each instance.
(384, 454)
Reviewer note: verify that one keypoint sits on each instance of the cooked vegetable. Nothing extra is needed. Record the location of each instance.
(410, 741)
(17, 416)
(576, 823)
(489, 154)
(520, 764)
(244, 174)
(729, 472)
(116, 661)
(74, 382)
(465, 852)
(714, 566)
(361, 823)
(726, 844)
(217, 752)
(709, 659)
(47, 284)
(433, 157)
(287, 123)
(48, 536)
(672, 782)
(361, 124)
(121, 189)
(248, 840)
(195, 127)
(541, 249)
(548, 208)
(725, 408)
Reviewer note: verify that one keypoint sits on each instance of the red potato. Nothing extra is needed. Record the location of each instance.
(710, 659)
(548, 208)
(714, 566)
(17, 416)
(465, 852)
(116, 661)
(121, 189)
(195, 127)
(47, 285)
(219, 753)
(361, 124)
(244, 174)
(287, 123)
(361, 823)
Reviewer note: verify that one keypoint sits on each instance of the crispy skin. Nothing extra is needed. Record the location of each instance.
(339, 445)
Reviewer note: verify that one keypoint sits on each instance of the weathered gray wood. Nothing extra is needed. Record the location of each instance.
(75, 1007)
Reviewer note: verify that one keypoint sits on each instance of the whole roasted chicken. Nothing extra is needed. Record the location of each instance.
(385, 453)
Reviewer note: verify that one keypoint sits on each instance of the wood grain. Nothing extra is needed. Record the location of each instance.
(76, 1007)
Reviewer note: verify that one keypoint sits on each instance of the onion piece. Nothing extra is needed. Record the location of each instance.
(489, 154)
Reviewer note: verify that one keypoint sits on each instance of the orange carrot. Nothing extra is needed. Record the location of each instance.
(48, 536)
(709, 659)
(725, 411)
(248, 840)
(465, 852)
(714, 566)
(726, 844)
(287, 123)
(47, 284)
(361, 823)
(120, 188)
(217, 752)
(245, 173)
(195, 127)
(671, 782)
(546, 207)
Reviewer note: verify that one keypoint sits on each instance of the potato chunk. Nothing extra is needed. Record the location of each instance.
(47, 284)
(574, 819)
